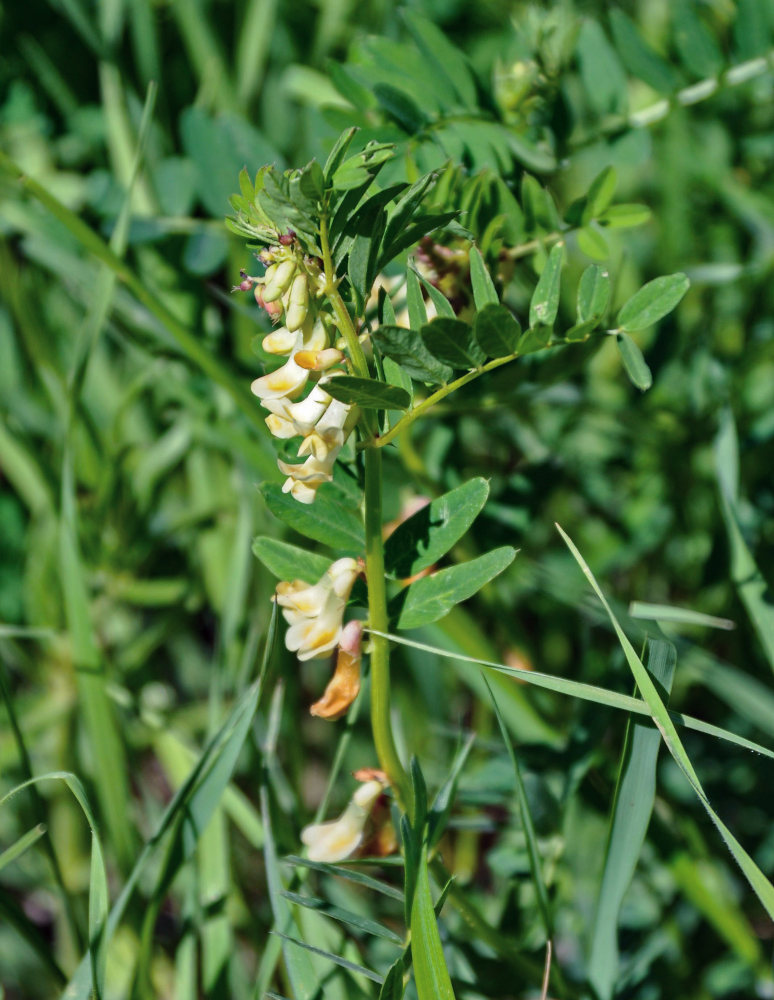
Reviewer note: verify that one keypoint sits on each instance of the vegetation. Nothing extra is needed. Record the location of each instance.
(511, 269)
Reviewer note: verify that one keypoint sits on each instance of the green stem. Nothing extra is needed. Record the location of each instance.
(332, 293)
(437, 396)
(389, 761)
(531, 246)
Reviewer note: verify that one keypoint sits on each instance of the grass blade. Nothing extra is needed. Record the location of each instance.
(430, 972)
(762, 887)
(586, 692)
(747, 578)
(533, 853)
(632, 806)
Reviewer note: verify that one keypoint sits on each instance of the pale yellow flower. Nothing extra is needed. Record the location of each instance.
(339, 838)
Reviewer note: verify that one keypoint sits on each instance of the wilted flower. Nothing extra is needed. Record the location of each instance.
(344, 686)
(314, 612)
(339, 838)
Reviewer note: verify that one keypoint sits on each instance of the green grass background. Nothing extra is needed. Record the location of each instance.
(134, 615)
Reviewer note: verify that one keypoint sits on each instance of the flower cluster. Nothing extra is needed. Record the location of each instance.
(291, 285)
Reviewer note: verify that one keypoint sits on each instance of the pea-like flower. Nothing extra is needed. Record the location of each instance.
(339, 838)
(292, 284)
(314, 612)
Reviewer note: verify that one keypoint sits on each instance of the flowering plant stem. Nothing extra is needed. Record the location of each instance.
(380, 653)
(381, 724)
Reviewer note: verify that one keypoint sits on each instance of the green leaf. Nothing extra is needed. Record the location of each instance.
(639, 57)
(539, 210)
(219, 147)
(440, 811)
(581, 331)
(652, 302)
(349, 874)
(325, 520)
(289, 562)
(635, 364)
(430, 973)
(337, 154)
(451, 341)
(484, 291)
(625, 216)
(694, 41)
(600, 194)
(593, 293)
(432, 597)
(93, 967)
(544, 304)
(535, 339)
(442, 305)
(364, 249)
(333, 957)
(392, 988)
(632, 807)
(762, 887)
(371, 927)
(415, 300)
(403, 212)
(406, 348)
(304, 981)
(421, 540)
(592, 243)
(191, 807)
(397, 377)
(446, 59)
(677, 616)
(752, 32)
(22, 844)
(601, 71)
(368, 393)
(401, 107)
(496, 331)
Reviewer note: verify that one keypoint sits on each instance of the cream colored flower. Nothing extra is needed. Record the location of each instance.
(287, 382)
(314, 612)
(339, 838)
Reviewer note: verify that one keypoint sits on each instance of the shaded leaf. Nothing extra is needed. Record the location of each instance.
(406, 348)
(432, 597)
(496, 331)
(484, 291)
(451, 341)
(368, 393)
(326, 520)
(427, 535)
(289, 562)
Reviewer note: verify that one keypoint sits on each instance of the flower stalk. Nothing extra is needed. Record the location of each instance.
(381, 723)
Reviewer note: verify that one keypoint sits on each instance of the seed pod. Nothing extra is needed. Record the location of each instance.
(279, 281)
(298, 303)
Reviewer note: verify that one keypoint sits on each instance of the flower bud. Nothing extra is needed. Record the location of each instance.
(279, 282)
(298, 302)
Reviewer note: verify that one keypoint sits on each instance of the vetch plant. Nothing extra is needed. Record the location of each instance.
(354, 382)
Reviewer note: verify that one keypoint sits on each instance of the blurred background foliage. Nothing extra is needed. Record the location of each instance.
(128, 472)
